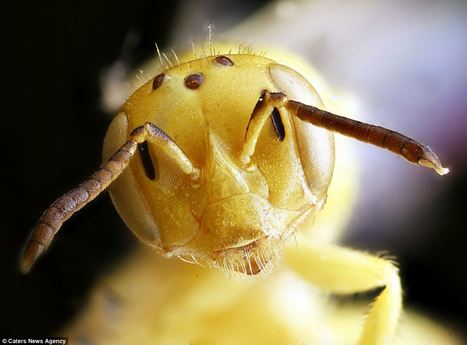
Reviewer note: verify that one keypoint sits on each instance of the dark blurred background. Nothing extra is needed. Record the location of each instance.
(55, 130)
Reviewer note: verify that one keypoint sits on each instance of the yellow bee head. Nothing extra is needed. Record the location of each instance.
(234, 215)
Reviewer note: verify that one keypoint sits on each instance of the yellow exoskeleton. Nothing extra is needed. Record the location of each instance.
(233, 153)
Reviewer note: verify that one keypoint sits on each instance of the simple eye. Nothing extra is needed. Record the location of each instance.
(158, 81)
(223, 60)
(194, 81)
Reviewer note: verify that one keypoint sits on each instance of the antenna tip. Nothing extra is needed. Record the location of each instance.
(434, 164)
(24, 266)
(30, 254)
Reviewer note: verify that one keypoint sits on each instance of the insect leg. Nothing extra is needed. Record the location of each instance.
(400, 144)
(65, 206)
(344, 271)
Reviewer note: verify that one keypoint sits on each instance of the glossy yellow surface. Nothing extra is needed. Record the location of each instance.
(231, 215)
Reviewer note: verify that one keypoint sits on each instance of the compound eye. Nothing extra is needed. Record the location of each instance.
(194, 81)
(223, 60)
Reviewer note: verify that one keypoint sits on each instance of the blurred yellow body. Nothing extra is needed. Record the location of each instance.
(154, 301)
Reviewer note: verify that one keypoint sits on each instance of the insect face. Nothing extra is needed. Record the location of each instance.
(233, 215)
